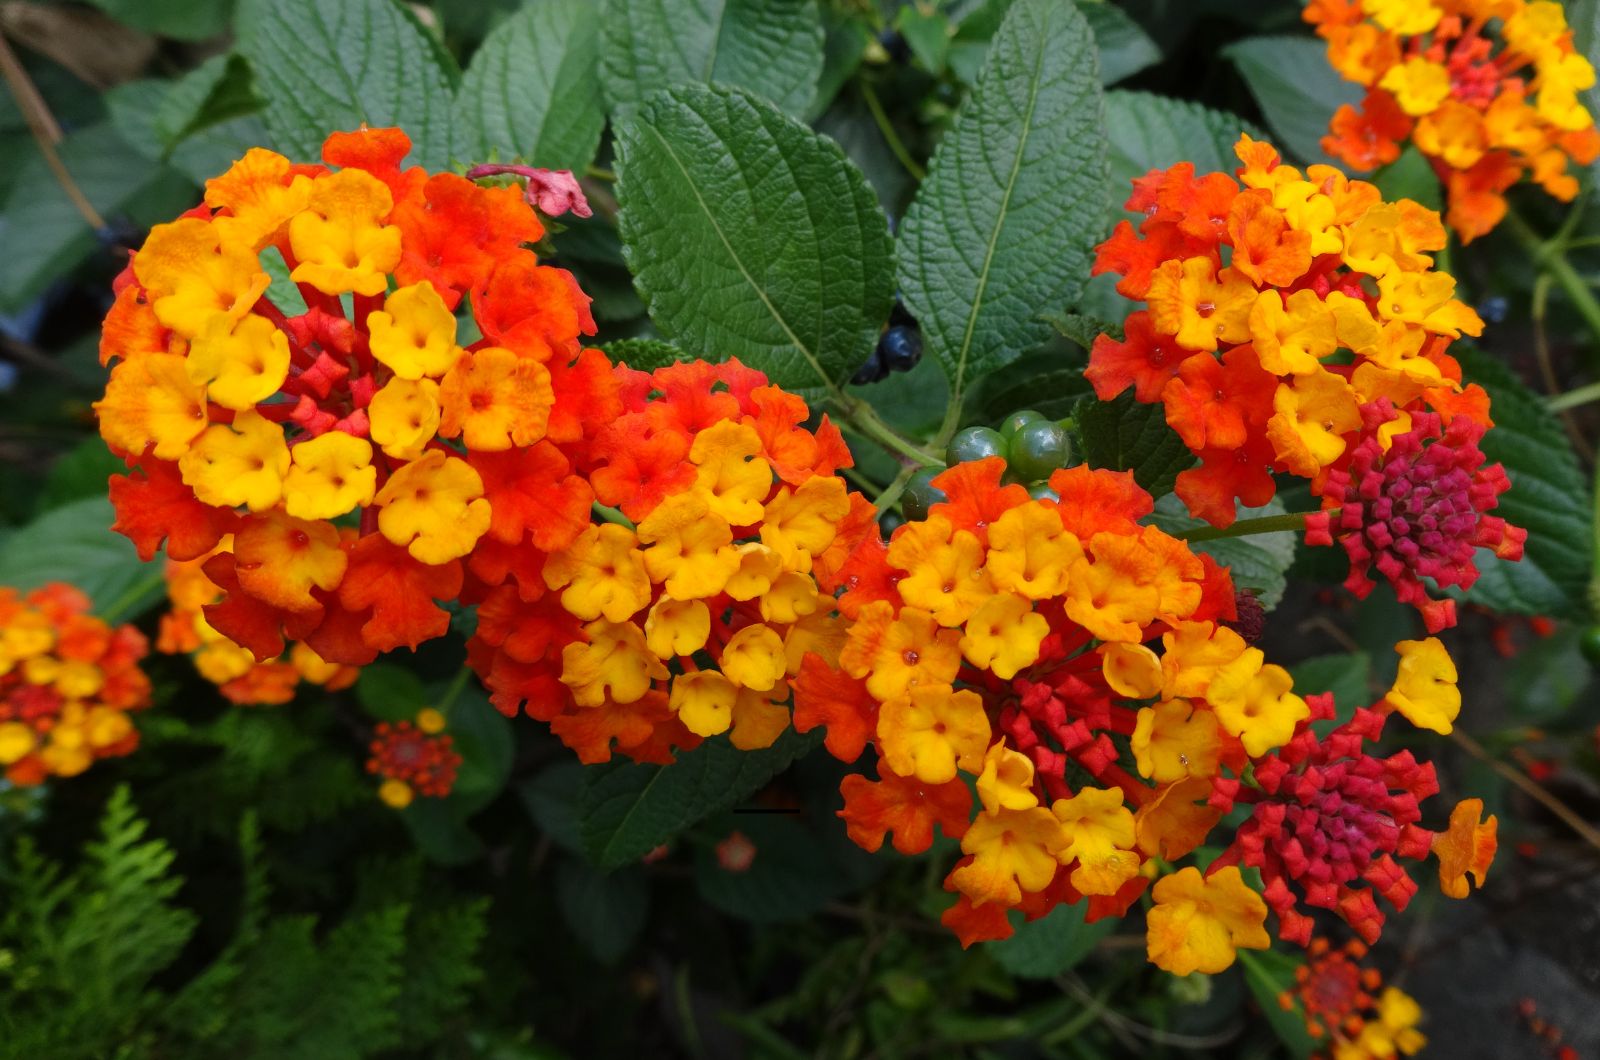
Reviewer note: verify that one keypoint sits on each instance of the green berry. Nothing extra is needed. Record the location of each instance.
(1041, 491)
(921, 494)
(1589, 644)
(1018, 420)
(1038, 449)
(974, 443)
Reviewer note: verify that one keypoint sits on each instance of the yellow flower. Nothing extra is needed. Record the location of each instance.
(331, 475)
(1006, 782)
(898, 653)
(931, 731)
(1030, 552)
(1292, 339)
(192, 274)
(601, 573)
(1254, 702)
(1425, 687)
(1419, 85)
(1191, 301)
(414, 333)
(799, 525)
(239, 364)
(1199, 923)
(396, 794)
(754, 658)
(1132, 670)
(759, 569)
(615, 662)
(676, 627)
(404, 416)
(1099, 830)
(243, 463)
(150, 400)
(1174, 739)
(1407, 18)
(1426, 298)
(1012, 851)
(759, 718)
(1455, 132)
(1192, 654)
(691, 551)
(1004, 635)
(494, 400)
(340, 240)
(16, 742)
(1110, 594)
(944, 569)
(1312, 414)
(791, 598)
(703, 701)
(732, 472)
(434, 508)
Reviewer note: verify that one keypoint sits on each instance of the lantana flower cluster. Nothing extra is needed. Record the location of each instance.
(1012, 641)
(1487, 90)
(68, 682)
(413, 757)
(1319, 344)
(238, 675)
(1348, 1010)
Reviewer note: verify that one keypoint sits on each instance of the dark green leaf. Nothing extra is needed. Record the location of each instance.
(552, 800)
(1048, 382)
(1125, 435)
(773, 48)
(626, 810)
(323, 67)
(1410, 176)
(1154, 132)
(533, 89)
(1549, 497)
(81, 473)
(1297, 88)
(1044, 948)
(606, 910)
(1125, 49)
(1257, 562)
(791, 876)
(749, 234)
(441, 834)
(482, 737)
(75, 544)
(390, 693)
(1269, 973)
(928, 34)
(1083, 330)
(45, 235)
(1015, 197)
(646, 355)
(1348, 677)
(180, 19)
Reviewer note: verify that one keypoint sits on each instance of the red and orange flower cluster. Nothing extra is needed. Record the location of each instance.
(1012, 640)
(1344, 1011)
(236, 672)
(67, 684)
(1486, 89)
(413, 758)
(1314, 351)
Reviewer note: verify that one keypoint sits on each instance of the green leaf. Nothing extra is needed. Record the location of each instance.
(483, 738)
(325, 67)
(1269, 973)
(82, 472)
(1124, 435)
(1015, 198)
(790, 878)
(1044, 948)
(628, 809)
(928, 34)
(1347, 676)
(749, 234)
(533, 89)
(390, 693)
(1411, 176)
(646, 355)
(179, 19)
(606, 910)
(1584, 18)
(1297, 88)
(1258, 562)
(1046, 382)
(46, 236)
(1154, 132)
(551, 799)
(1549, 497)
(75, 544)
(773, 48)
(1125, 48)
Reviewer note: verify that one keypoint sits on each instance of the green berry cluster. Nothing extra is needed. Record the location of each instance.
(1031, 444)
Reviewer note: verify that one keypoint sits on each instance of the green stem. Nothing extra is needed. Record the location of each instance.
(132, 595)
(599, 173)
(1571, 399)
(611, 515)
(1551, 256)
(1594, 548)
(886, 127)
(865, 419)
(1266, 524)
(887, 498)
(453, 691)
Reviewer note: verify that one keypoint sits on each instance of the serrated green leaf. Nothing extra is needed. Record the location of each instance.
(1155, 132)
(790, 877)
(1044, 948)
(1015, 198)
(322, 67)
(75, 544)
(1549, 497)
(1258, 562)
(214, 91)
(772, 48)
(1082, 330)
(750, 235)
(1051, 383)
(179, 19)
(533, 89)
(628, 809)
(645, 355)
(1297, 88)
(606, 910)
(1124, 435)
(1125, 48)
(46, 236)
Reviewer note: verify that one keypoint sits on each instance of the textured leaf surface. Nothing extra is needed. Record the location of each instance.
(75, 544)
(1154, 132)
(1549, 497)
(1259, 563)
(321, 67)
(627, 809)
(751, 236)
(1125, 48)
(1296, 87)
(1015, 197)
(773, 48)
(1044, 948)
(533, 89)
(646, 355)
(1124, 435)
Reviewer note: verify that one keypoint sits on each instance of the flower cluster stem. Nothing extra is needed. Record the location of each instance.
(865, 419)
(1265, 524)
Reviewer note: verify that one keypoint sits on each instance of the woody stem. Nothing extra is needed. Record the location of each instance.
(1530, 787)
(1265, 524)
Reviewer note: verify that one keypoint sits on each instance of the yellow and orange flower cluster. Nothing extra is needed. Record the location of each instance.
(1486, 89)
(67, 684)
(352, 436)
(1345, 1012)
(688, 613)
(236, 672)
(414, 757)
